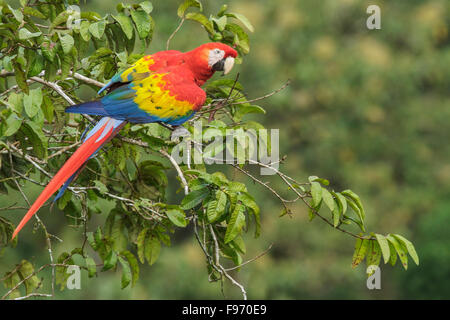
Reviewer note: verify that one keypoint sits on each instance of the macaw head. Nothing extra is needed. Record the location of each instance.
(210, 57)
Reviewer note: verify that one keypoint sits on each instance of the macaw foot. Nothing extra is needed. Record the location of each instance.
(179, 132)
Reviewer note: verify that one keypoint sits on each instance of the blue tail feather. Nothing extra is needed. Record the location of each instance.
(67, 183)
(91, 107)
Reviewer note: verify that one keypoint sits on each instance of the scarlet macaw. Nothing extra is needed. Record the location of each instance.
(162, 87)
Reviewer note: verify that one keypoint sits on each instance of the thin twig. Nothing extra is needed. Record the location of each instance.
(179, 171)
(55, 87)
(87, 80)
(33, 295)
(251, 260)
(173, 33)
(64, 150)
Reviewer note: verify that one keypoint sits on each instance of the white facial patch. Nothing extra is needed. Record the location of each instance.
(215, 56)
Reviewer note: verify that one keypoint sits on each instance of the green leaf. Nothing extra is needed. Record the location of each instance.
(342, 201)
(48, 50)
(36, 138)
(373, 254)
(384, 245)
(239, 244)
(311, 214)
(120, 158)
(200, 18)
(316, 193)
(357, 210)
(359, 254)
(32, 102)
(243, 19)
(220, 23)
(236, 223)
(221, 201)
(243, 110)
(177, 217)
(152, 249)
(30, 11)
(15, 102)
(37, 65)
(239, 39)
(222, 10)
(142, 23)
(26, 34)
(10, 282)
(237, 186)
(188, 4)
(118, 236)
(66, 64)
(98, 236)
(26, 269)
(216, 207)
(110, 261)
(85, 27)
(393, 254)
(410, 247)
(350, 194)
(91, 16)
(90, 265)
(324, 182)
(250, 203)
(12, 123)
(30, 108)
(328, 199)
(17, 14)
(194, 198)
(122, 6)
(400, 250)
(219, 179)
(21, 78)
(97, 29)
(67, 43)
(125, 23)
(91, 240)
(147, 6)
(47, 108)
(100, 186)
(336, 216)
(141, 244)
(64, 200)
(60, 19)
(133, 263)
(126, 272)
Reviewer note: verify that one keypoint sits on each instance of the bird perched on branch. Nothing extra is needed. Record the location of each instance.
(162, 87)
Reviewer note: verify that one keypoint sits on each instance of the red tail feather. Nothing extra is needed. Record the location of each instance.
(75, 161)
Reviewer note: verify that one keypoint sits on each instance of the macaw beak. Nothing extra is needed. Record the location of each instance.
(228, 65)
(224, 65)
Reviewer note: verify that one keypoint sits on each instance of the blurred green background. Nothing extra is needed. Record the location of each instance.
(367, 109)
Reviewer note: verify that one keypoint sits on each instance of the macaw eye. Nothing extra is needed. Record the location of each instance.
(217, 51)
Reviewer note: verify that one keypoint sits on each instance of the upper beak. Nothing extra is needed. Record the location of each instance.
(224, 65)
(228, 65)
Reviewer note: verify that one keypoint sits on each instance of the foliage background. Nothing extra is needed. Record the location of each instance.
(366, 109)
